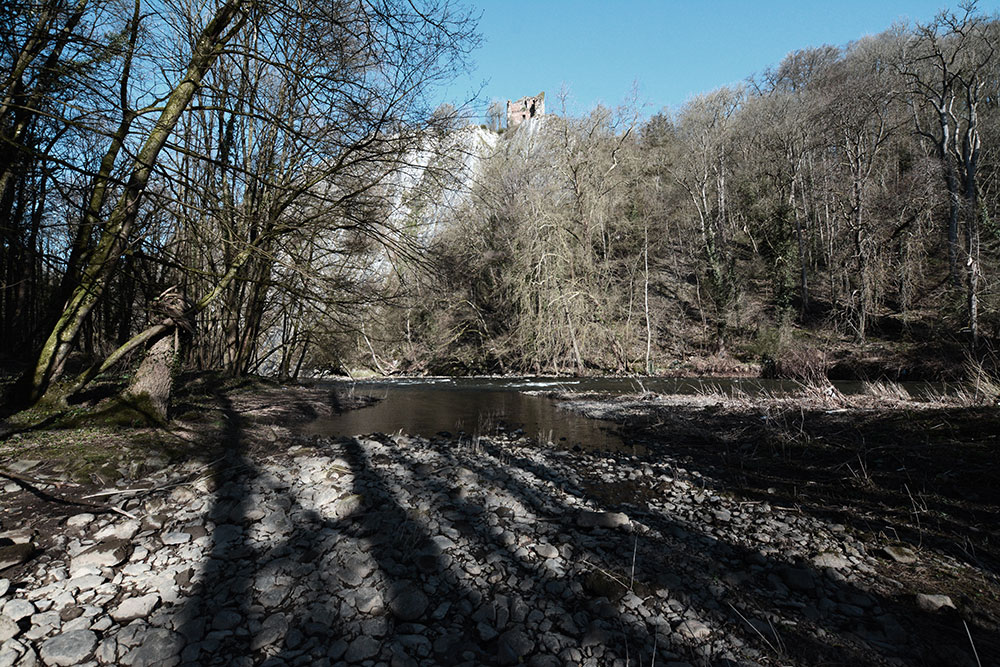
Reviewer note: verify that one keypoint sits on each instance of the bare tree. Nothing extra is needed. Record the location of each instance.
(949, 65)
(318, 106)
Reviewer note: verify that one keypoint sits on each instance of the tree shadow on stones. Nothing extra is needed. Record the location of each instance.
(407, 561)
(926, 478)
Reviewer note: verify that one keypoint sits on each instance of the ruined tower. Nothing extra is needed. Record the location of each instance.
(525, 108)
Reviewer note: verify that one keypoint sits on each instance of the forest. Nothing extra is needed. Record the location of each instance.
(303, 362)
(264, 187)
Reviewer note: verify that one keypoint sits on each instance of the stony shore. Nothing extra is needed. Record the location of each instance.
(399, 550)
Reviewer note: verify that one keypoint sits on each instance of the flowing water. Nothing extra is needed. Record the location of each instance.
(476, 406)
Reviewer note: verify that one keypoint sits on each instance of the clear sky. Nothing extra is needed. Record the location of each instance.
(670, 49)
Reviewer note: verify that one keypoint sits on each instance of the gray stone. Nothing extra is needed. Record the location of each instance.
(587, 519)
(443, 542)
(362, 648)
(274, 628)
(369, 600)
(376, 627)
(81, 623)
(4, 586)
(408, 603)
(8, 629)
(107, 650)
(79, 520)
(486, 631)
(172, 539)
(932, 603)
(18, 536)
(693, 629)
(722, 516)
(125, 530)
(850, 610)
(513, 646)
(273, 596)
(900, 554)
(415, 644)
(830, 559)
(8, 656)
(347, 506)
(356, 567)
(135, 607)
(157, 647)
(132, 634)
(337, 649)
(104, 554)
(22, 466)
(18, 609)
(69, 648)
(226, 535)
(546, 550)
(87, 581)
(226, 619)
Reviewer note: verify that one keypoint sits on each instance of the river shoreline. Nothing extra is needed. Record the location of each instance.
(741, 533)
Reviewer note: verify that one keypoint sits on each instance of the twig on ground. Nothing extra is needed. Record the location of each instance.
(754, 628)
(974, 651)
(635, 546)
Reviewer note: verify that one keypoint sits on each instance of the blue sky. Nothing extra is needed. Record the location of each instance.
(670, 49)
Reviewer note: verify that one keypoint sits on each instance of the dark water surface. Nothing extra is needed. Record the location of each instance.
(475, 406)
(469, 406)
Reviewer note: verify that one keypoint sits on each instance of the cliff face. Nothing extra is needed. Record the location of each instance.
(439, 178)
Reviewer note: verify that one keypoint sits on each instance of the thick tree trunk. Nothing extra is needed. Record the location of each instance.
(149, 392)
(159, 329)
(118, 228)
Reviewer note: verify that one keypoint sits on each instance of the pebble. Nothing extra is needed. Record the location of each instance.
(132, 608)
(69, 648)
(900, 554)
(17, 609)
(79, 520)
(8, 628)
(930, 602)
(403, 551)
(546, 551)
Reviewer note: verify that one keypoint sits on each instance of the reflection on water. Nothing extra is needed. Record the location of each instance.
(476, 406)
(455, 407)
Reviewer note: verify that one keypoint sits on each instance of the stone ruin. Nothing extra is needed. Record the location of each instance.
(525, 108)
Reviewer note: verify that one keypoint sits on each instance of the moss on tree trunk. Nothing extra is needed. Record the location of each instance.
(154, 380)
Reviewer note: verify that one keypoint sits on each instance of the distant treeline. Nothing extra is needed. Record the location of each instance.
(844, 196)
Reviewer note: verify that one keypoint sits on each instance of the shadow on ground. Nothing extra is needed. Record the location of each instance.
(403, 551)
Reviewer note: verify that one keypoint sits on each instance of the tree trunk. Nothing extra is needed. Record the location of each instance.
(149, 392)
(118, 228)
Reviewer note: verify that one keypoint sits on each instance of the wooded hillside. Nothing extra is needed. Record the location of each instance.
(234, 186)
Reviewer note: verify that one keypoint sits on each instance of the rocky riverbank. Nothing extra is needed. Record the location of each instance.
(400, 550)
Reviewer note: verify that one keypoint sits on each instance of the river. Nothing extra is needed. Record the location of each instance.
(472, 406)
